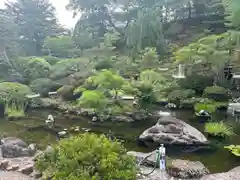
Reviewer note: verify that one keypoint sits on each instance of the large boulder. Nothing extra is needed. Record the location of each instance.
(187, 169)
(13, 147)
(233, 174)
(170, 130)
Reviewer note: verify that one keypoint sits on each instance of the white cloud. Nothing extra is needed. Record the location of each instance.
(64, 16)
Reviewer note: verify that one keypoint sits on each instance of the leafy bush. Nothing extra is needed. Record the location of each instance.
(95, 100)
(88, 156)
(66, 92)
(216, 93)
(10, 91)
(198, 78)
(69, 66)
(218, 129)
(177, 96)
(15, 109)
(104, 64)
(188, 103)
(37, 68)
(51, 59)
(43, 86)
(234, 149)
(209, 107)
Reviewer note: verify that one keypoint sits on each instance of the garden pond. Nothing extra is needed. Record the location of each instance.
(216, 160)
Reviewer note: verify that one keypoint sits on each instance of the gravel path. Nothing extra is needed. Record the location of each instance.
(13, 176)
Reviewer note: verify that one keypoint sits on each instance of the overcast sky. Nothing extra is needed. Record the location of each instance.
(65, 17)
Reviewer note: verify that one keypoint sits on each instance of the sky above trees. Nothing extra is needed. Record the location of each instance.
(64, 16)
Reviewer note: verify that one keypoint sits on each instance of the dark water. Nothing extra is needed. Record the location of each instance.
(217, 160)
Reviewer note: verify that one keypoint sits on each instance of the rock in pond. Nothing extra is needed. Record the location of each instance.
(186, 169)
(170, 130)
(13, 147)
(233, 174)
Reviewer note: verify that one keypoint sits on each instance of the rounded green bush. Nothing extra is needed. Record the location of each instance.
(216, 93)
(44, 85)
(86, 157)
(37, 68)
(51, 59)
(10, 91)
(177, 96)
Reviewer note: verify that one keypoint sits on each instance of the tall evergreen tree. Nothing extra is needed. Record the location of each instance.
(36, 19)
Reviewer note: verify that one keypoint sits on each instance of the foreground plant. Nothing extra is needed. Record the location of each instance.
(87, 156)
(15, 109)
(218, 129)
(234, 149)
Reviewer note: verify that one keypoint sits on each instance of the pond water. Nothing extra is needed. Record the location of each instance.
(217, 160)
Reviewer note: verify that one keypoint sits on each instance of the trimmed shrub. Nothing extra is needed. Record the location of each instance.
(177, 96)
(10, 91)
(44, 85)
(87, 156)
(37, 68)
(51, 59)
(216, 93)
(218, 129)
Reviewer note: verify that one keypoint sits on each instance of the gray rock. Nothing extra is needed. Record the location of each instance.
(14, 147)
(32, 149)
(187, 169)
(4, 164)
(170, 130)
(28, 169)
(150, 161)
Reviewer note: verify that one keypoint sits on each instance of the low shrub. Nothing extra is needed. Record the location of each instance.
(44, 85)
(218, 129)
(216, 93)
(87, 156)
(208, 107)
(234, 149)
(10, 91)
(37, 68)
(51, 59)
(177, 96)
(15, 109)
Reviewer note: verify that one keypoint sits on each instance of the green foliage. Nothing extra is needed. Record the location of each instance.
(198, 77)
(209, 49)
(66, 92)
(34, 25)
(107, 80)
(88, 156)
(208, 107)
(10, 91)
(216, 93)
(104, 64)
(93, 99)
(60, 46)
(43, 86)
(234, 149)
(15, 109)
(51, 59)
(149, 58)
(177, 96)
(232, 8)
(145, 94)
(37, 67)
(68, 66)
(218, 129)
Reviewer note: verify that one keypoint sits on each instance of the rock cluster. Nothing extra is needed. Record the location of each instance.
(17, 156)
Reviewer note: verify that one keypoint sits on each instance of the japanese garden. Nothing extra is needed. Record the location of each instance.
(97, 101)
